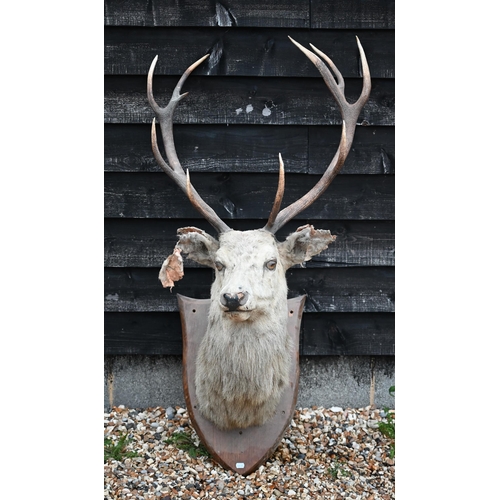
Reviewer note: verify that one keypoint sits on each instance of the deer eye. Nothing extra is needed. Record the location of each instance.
(219, 265)
(271, 265)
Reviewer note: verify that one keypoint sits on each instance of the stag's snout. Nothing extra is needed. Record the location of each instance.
(233, 301)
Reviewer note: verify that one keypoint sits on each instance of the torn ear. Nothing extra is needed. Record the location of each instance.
(197, 245)
(303, 244)
(172, 269)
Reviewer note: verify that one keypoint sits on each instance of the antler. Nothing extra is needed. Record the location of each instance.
(277, 218)
(173, 168)
(349, 112)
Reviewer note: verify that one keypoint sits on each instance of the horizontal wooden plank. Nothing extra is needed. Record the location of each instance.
(142, 333)
(372, 151)
(348, 334)
(356, 289)
(212, 148)
(251, 148)
(147, 242)
(342, 334)
(243, 52)
(258, 13)
(352, 14)
(247, 196)
(250, 100)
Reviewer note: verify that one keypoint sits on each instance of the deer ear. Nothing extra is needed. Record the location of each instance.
(303, 244)
(198, 245)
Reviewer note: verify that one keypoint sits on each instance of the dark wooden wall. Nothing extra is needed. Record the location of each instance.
(255, 96)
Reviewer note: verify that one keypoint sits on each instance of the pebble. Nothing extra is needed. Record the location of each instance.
(328, 453)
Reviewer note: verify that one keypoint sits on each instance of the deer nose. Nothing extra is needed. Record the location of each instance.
(234, 300)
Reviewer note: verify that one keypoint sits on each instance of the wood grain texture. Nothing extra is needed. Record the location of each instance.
(234, 196)
(332, 334)
(244, 52)
(251, 148)
(353, 14)
(229, 13)
(147, 242)
(344, 334)
(142, 333)
(356, 289)
(250, 100)
(258, 13)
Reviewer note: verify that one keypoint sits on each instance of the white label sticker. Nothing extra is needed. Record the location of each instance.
(240, 465)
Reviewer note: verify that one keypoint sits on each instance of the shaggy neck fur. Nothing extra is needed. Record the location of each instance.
(242, 367)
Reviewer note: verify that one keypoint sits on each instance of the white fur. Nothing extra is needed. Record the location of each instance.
(243, 363)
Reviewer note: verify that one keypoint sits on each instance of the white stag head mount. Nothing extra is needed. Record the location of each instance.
(244, 358)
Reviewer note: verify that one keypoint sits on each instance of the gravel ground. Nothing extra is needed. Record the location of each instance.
(328, 454)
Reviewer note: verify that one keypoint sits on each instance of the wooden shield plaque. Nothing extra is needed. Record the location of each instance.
(241, 450)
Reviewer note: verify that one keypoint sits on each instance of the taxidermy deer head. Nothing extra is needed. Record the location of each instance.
(244, 358)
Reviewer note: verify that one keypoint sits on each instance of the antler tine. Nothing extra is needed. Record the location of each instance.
(279, 196)
(338, 74)
(174, 168)
(165, 115)
(367, 85)
(349, 113)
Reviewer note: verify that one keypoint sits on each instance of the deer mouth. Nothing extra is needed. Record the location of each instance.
(238, 314)
(237, 311)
